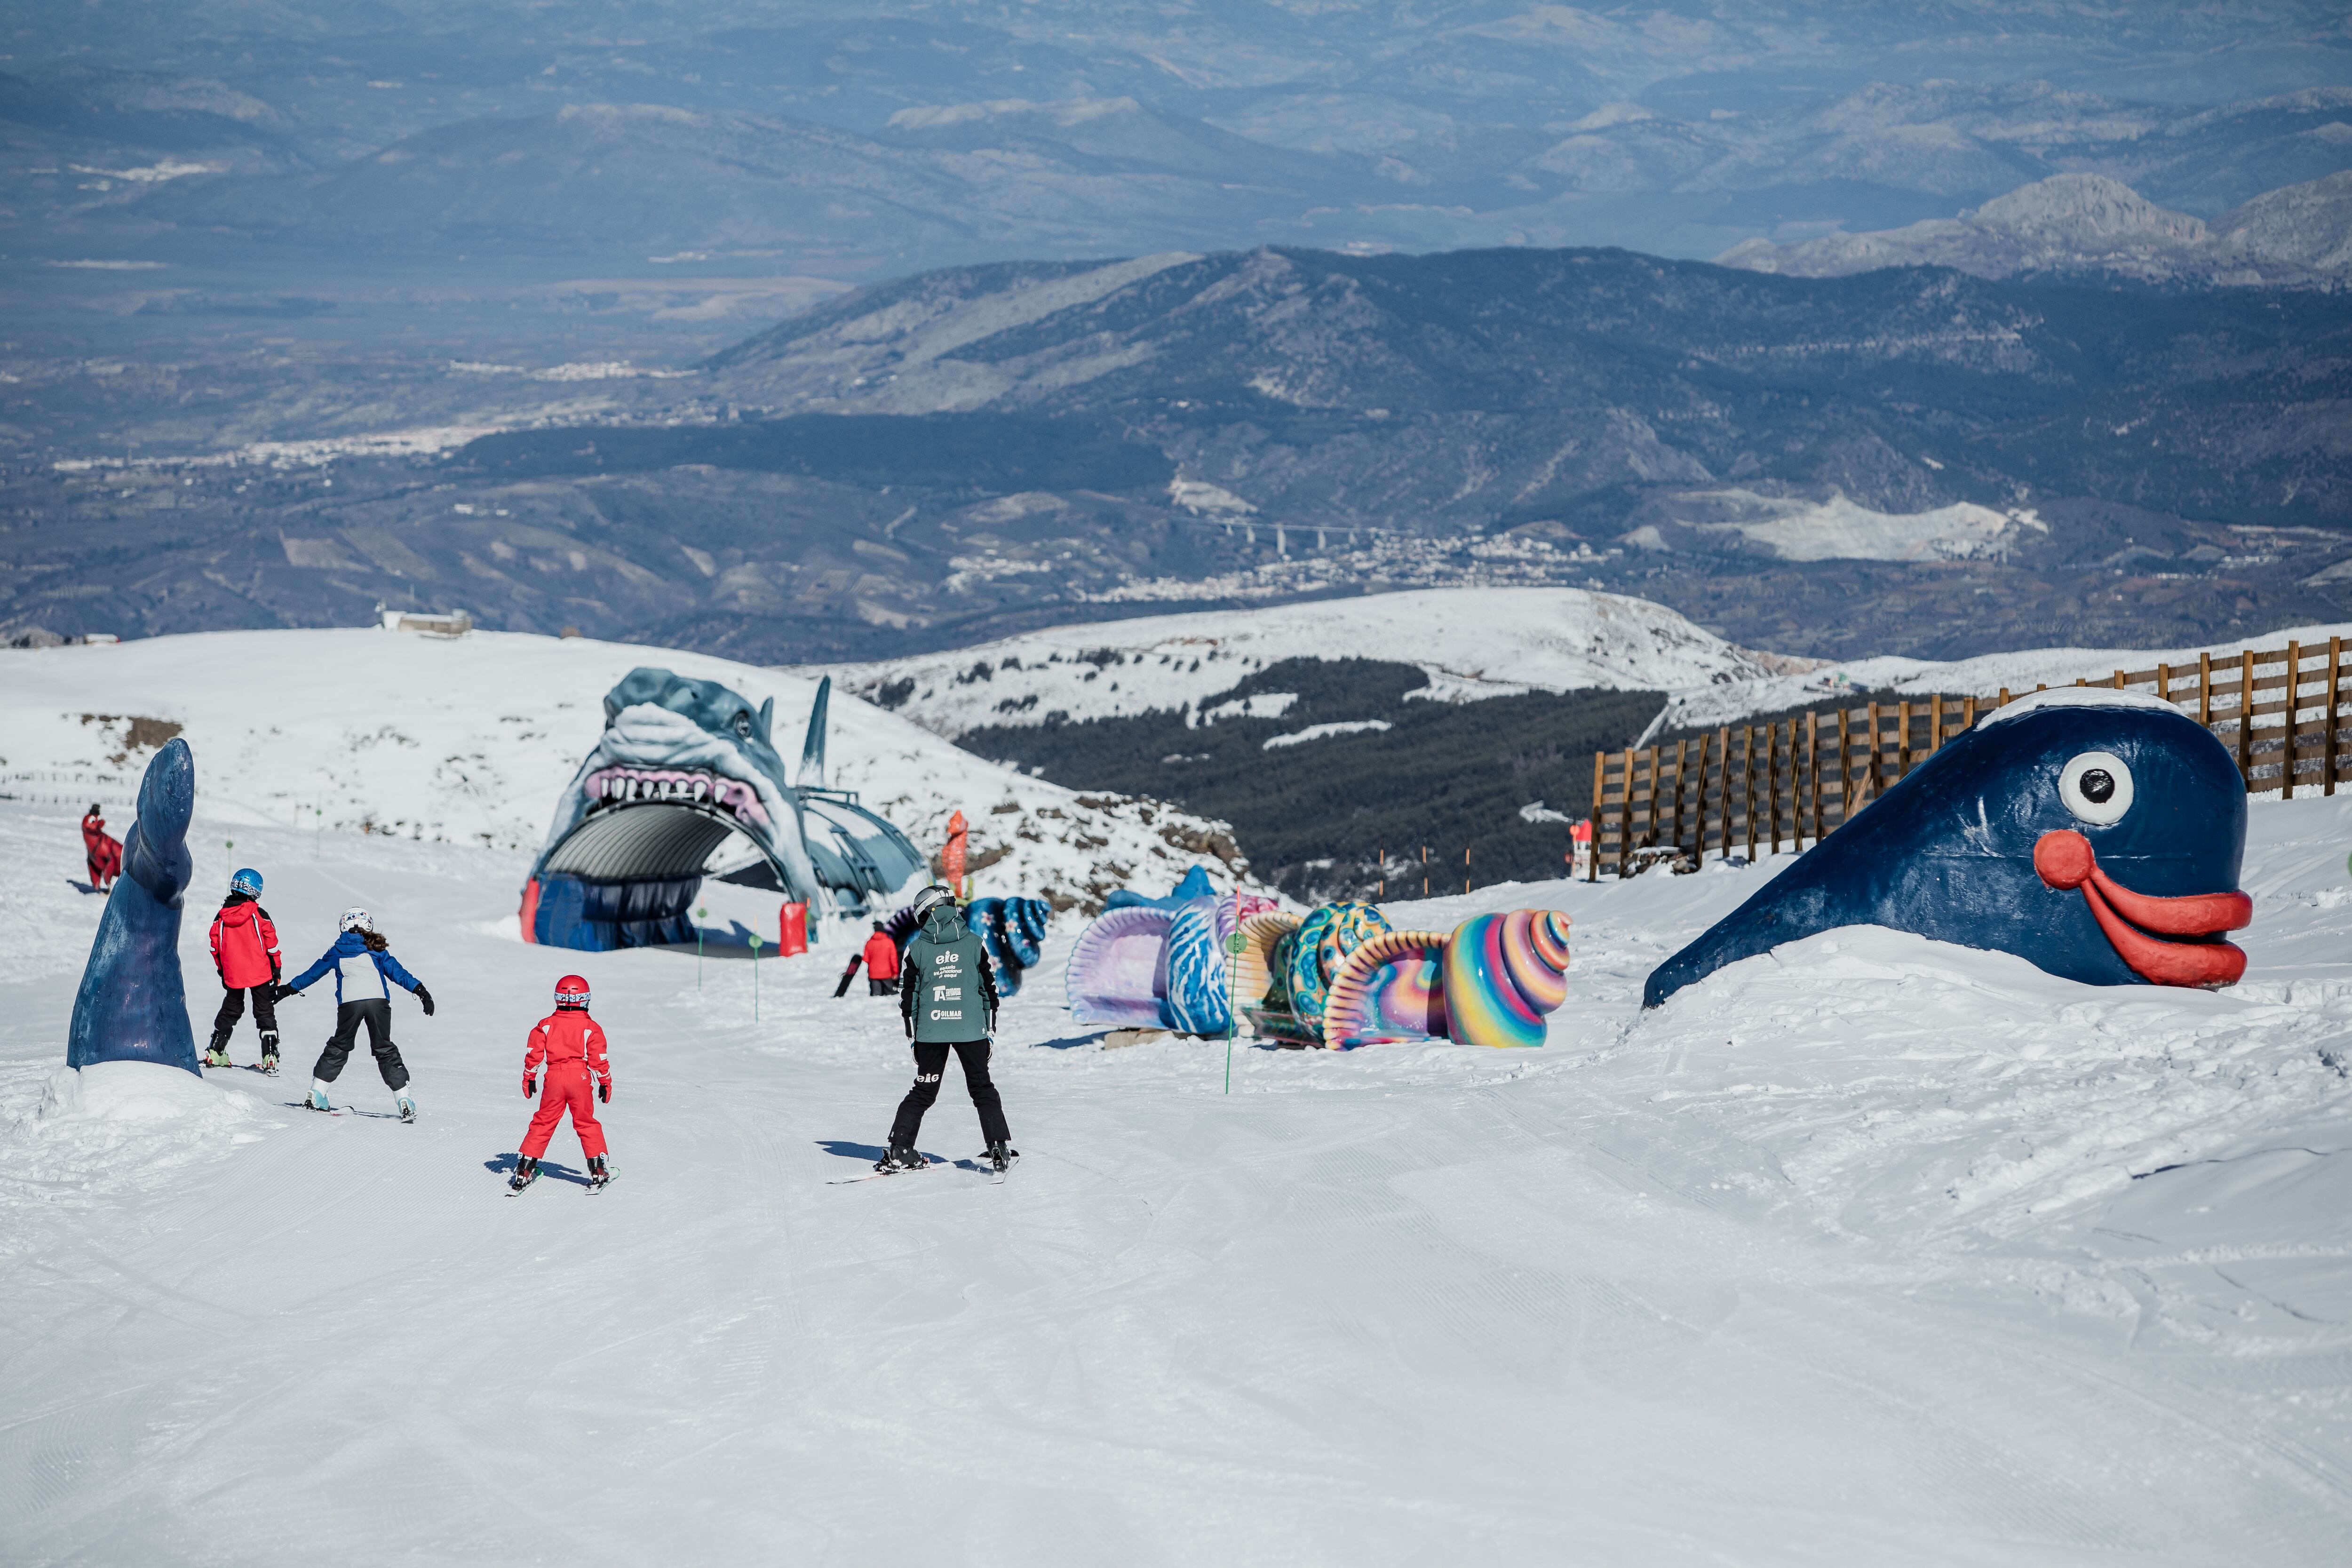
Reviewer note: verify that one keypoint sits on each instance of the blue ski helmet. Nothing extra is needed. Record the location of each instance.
(246, 881)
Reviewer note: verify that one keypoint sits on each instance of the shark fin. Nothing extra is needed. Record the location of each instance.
(767, 711)
(812, 770)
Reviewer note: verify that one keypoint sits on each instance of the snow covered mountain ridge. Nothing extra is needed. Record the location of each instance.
(1471, 643)
(2299, 234)
(471, 740)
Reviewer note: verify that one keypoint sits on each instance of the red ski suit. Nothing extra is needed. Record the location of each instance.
(571, 1046)
(881, 957)
(103, 850)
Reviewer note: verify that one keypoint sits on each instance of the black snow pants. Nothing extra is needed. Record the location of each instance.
(888, 987)
(265, 1017)
(376, 1013)
(930, 1066)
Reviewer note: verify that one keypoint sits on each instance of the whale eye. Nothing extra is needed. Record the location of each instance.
(2096, 787)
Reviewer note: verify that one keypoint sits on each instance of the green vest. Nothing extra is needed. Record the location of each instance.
(946, 984)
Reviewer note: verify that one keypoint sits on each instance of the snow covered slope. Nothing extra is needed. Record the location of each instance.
(1472, 642)
(470, 741)
(1983, 676)
(1867, 1251)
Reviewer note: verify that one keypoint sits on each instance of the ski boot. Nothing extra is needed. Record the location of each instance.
(599, 1172)
(526, 1173)
(216, 1053)
(269, 1055)
(318, 1101)
(901, 1157)
(1001, 1156)
(407, 1106)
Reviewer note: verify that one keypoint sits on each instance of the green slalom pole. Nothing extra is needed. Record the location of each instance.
(700, 915)
(1234, 946)
(755, 977)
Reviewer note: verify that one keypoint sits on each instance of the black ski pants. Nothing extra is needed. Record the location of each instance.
(887, 987)
(930, 1066)
(265, 1016)
(375, 1012)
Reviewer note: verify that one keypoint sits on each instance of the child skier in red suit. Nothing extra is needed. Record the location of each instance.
(571, 1046)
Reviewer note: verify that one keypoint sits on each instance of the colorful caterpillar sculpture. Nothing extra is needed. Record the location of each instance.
(1012, 931)
(1160, 964)
(1341, 978)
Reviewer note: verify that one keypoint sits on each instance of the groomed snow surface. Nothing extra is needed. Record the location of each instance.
(1868, 1250)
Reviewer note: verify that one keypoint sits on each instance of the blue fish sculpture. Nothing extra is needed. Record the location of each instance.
(2094, 834)
(132, 1006)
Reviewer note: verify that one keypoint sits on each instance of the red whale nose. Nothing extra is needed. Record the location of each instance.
(2064, 858)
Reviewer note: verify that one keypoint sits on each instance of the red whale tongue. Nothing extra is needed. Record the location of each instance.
(2064, 858)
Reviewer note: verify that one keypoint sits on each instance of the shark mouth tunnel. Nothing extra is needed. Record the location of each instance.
(684, 784)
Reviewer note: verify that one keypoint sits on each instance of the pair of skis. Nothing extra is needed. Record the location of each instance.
(977, 1163)
(594, 1185)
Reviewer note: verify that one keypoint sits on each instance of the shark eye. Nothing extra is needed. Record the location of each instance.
(2096, 787)
(743, 724)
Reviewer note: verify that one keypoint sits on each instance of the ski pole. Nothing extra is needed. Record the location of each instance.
(755, 977)
(701, 914)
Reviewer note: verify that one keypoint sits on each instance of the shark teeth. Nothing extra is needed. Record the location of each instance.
(684, 786)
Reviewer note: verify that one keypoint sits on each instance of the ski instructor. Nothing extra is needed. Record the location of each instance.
(947, 999)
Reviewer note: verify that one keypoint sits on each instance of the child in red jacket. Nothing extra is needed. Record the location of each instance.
(103, 850)
(571, 1046)
(245, 952)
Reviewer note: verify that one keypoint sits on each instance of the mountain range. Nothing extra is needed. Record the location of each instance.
(1909, 460)
(2087, 225)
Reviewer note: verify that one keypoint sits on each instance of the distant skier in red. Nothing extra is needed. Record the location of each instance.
(570, 1046)
(104, 849)
(881, 963)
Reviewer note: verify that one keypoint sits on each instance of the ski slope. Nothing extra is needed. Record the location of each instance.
(470, 740)
(1869, 1250)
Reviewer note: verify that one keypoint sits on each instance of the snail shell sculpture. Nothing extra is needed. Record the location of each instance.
(1116, 974)
(1392, 988)
(1323, 941)
(1253, 973)
(1196, 983)
(1492, 982)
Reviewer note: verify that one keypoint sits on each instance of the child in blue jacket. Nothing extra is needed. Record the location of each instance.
(365, 972)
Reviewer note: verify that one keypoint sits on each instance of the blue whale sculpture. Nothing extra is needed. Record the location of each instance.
(132, 1006)
(2095, 834)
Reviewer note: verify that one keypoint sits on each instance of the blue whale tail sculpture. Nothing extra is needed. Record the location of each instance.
(132, 1006)
(2095, 834)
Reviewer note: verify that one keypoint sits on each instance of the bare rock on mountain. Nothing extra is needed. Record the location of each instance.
(2307, 226)
(2071, 224)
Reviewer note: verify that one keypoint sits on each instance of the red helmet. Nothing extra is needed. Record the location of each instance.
(571, 992)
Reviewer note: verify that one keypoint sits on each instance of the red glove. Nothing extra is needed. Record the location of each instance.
(605, 1092)
(529, 1086)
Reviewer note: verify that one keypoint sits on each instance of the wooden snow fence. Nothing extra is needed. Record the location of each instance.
(1751, 788)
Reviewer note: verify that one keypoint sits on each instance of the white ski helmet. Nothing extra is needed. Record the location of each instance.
(356, 919)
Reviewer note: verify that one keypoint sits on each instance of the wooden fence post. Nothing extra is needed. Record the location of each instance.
(1592, 818)
(1969, 712)
(2294, 699)
(1813, 770)
(1723, 758)
(1625, 818)
(2335, 665)
(2246, 716)
(1748, 782)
